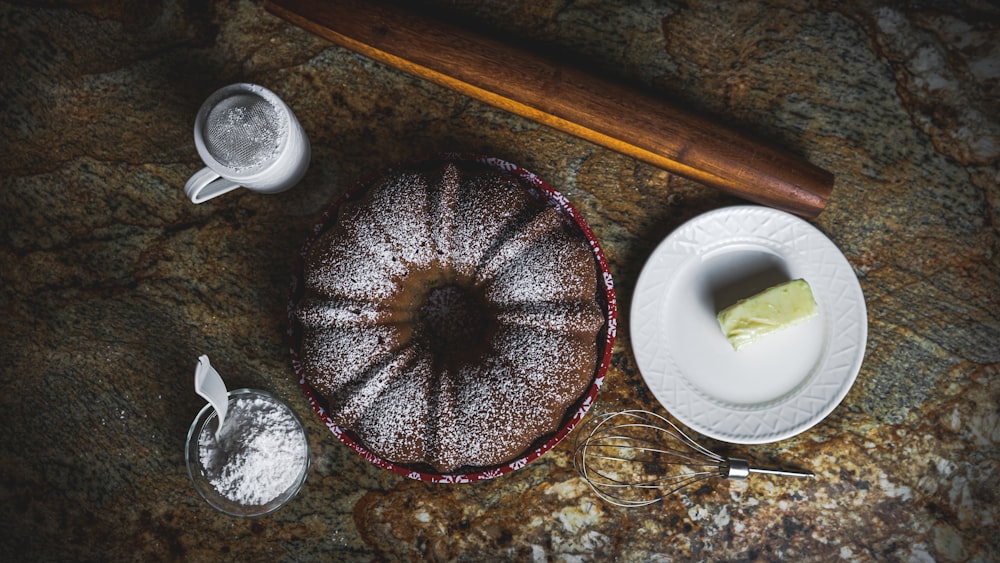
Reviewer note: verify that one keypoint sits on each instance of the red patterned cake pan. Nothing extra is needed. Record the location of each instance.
(574, 414)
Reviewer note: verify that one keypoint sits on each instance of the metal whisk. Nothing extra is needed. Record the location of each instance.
(634, 458)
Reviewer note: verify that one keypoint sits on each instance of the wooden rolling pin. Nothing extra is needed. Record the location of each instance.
(565, 98)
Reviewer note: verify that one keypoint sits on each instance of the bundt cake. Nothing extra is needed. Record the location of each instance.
(449, 316)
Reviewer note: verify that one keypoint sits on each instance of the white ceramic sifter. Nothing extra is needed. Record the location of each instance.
(249, 138)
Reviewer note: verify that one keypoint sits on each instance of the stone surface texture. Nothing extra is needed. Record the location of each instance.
(112, 283)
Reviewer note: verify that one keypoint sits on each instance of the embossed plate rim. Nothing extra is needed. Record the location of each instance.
(837, 290)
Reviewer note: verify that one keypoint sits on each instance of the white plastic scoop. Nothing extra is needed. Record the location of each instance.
(208, 383)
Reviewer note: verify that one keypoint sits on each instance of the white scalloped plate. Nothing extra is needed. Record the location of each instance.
(778, 386)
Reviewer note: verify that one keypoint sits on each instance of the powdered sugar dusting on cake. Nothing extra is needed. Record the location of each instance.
(373, 244)
(519, 394)
(334, 311)
(347, 263)
(369, 276)
(484, 208)
(336, 355)
(356, 398)
(397, 415)
(556, 268)
(441, 197)
(400, 215)
(562, 316)
(532, 228)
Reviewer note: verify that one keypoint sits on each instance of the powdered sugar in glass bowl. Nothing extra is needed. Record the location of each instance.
(259, 461)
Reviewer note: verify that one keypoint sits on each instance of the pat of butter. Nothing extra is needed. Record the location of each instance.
(772, 310)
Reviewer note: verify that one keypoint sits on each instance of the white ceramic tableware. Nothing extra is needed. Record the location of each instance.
(248, 138)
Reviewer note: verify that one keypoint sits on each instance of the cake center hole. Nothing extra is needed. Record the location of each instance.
(454, 321)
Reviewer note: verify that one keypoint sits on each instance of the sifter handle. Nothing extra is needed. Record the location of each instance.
(565, 98)
(206, 184)
(737, 468)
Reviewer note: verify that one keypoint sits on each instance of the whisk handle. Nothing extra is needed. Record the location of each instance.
(737, 468)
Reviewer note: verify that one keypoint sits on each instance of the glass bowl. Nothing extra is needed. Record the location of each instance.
(205, 480)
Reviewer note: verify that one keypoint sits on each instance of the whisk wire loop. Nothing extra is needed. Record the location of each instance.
(636, 458)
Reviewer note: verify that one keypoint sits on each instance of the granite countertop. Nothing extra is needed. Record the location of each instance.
(113, 283)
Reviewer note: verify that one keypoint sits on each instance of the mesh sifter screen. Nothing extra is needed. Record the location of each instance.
(244, 131)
